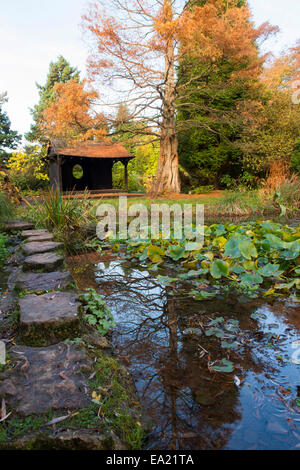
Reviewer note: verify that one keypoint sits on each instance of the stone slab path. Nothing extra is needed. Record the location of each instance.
(33, 233)
(45, 261)
(17, 225)
(45, 237)
(47, 318)
(46, 378)
(33, 282)
(47, 374)
(31, 248)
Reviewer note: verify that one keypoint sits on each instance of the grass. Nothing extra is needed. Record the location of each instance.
(66, 217)
(6, 207)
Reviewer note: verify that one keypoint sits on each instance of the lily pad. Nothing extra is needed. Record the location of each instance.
(219, 268)
(223, 366)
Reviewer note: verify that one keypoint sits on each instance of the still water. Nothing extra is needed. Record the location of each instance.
(162, 338)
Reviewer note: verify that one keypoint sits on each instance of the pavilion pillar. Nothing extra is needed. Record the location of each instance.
(126, 175)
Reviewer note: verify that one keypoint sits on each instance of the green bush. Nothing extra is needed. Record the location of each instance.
(202, 190)
(27, 180)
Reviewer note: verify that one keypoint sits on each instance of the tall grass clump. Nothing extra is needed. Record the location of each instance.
(66, 216)
(6, 207)
(238, 203)
(282, 186)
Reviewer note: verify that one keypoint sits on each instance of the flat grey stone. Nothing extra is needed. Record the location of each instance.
(17, 225)
(49, 308)
(96, 339)
(40, 247)
(33, 233)
(67, 439)
(40, 238)
(45, 261)
(43, 281)
(46, 378)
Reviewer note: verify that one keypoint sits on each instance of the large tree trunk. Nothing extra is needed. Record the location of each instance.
(167, 178)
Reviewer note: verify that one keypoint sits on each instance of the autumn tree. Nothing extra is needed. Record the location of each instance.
(59, 72)
(272, 128)
(71, 114)
(138, 51)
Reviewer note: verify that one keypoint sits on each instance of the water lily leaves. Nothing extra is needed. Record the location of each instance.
(229, 344)
(175, 252)
(251, 279)
(220, 230)
(270, 227)
(238, 269)
(220, 242)
(215, 332)
(193, 246)
(232, 248)
(247, 249)
(202, 295)
(155, 253)
(166, 280)
(292, 252)
(276, 242)
(270, 270)
(219, 268)
(223, 366)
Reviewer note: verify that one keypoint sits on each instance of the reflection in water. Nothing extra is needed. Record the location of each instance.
(190, 405)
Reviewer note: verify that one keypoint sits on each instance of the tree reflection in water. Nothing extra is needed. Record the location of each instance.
(190, 405)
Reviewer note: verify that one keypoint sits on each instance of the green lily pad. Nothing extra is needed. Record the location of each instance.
(247, 249)
(229, 344)
(223, 366)
(219, 268)
(175, 252)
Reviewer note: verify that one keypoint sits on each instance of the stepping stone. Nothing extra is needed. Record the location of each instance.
(40, 238)
(45, 261)
(40, 247)
(48, 318)
(33, 233)
(17, 225)
(43, 281)
(46, 378)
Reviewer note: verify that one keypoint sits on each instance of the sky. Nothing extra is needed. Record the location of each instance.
(33, 33)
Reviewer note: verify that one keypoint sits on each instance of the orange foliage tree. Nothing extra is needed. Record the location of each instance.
(70, 116)
(138, 49)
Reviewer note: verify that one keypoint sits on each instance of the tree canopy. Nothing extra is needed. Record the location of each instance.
(59, 72)
(144, 43)
(9, 139)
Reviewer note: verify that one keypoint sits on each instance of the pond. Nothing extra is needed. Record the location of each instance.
(173, 346)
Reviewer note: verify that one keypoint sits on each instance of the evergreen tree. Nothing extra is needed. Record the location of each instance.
(209, 149)
(59, 72)
(8, 138)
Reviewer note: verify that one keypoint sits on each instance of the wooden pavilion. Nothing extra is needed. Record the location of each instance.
(85, 165)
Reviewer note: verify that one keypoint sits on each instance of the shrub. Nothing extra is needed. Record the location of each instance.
(28, 169)
(202, 190)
